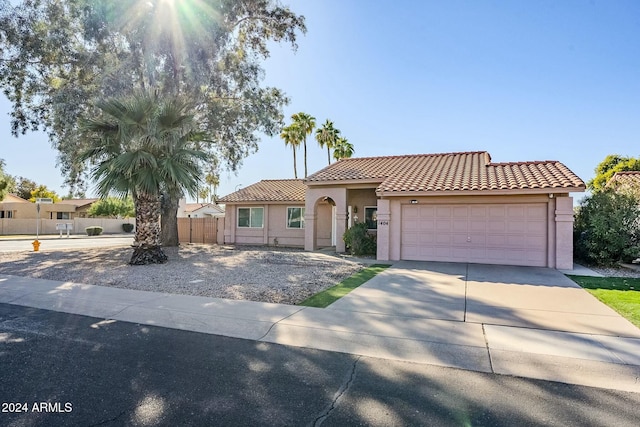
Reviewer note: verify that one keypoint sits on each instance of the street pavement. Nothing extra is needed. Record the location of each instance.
(73, 370)
(53, 242)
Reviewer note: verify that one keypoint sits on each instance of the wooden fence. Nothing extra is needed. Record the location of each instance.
(200, 230)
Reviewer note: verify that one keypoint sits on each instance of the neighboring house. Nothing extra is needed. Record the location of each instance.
(626, 182)
(199, 210)
(82, 207)
(268, 212)
(457, 207)
(16, 207)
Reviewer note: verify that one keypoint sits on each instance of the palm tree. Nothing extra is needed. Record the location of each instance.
(144, 146)
(291, 136)
(327, 136)
(343, 149)
(305, 124)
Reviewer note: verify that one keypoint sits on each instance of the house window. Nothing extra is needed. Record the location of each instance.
(6, 214)
(63, 215)
(371, 217)
(295, 217)
(250, 217)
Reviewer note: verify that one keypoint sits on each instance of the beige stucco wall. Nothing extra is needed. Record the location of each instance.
(23, 210)
(274, 226)
(11, 226)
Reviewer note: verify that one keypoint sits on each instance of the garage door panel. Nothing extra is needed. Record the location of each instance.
(493, 233)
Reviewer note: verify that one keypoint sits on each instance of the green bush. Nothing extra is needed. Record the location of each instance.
(607, 228)
(359, 241)
(93, 230)
(127, 228)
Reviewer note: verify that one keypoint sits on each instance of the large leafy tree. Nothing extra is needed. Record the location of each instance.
(42, 192)
(57, 57)
(609, 166)
(327, 135)
(112, 207)
(144, 146)
(607, 228)
(292, 137)
(24, 187)
(304, 123)
(6, 181)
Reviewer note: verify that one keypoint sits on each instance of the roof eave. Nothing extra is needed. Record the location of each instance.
(510, 191)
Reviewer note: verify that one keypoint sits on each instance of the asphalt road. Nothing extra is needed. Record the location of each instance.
(66, 370)
(49, 243)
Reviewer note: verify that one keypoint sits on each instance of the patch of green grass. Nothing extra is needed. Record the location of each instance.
(620, 293)
(326, 297)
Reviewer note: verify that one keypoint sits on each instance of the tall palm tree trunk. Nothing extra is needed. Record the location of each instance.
(305, 156)
(146, 244)
(328, 154)
(295, 163)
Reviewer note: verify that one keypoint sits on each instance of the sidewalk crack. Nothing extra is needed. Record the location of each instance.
(486, 342)
(284, 318)
(341, 392)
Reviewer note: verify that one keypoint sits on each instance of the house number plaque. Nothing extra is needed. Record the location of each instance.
(383, 222)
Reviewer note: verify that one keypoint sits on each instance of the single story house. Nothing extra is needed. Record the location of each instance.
(454, 207)
(16, 207)
(626, 182)
(199, 210)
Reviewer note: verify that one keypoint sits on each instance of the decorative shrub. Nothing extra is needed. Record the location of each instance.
(607, 228)
(127, 227)
(93, 230)
(359, 241)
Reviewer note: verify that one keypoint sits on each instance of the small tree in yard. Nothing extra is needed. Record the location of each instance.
(607, 228)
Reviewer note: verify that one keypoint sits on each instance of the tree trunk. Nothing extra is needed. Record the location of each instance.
(295, 167)
(169, 220)
(146, 244)
(305, 156)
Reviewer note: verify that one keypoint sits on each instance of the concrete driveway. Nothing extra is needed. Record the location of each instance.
(522, 321)
(526, 297)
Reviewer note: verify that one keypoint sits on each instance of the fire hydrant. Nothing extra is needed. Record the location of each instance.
(36, 245)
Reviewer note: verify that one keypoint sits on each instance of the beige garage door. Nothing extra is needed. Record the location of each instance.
(514, 234)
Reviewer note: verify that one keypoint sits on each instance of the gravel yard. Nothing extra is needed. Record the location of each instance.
(286, 276)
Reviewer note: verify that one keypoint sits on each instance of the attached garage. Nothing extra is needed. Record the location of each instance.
(506, 233)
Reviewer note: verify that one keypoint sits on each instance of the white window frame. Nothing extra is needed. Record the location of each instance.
(251, 208)
(302, 212)
(365, 216)
(61, 215)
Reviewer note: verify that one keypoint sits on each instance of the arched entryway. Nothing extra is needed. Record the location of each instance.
(325, 218)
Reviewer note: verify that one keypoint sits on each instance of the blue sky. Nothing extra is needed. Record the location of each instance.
(524, 80)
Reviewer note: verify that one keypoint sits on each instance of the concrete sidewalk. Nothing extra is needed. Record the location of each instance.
(532, 323)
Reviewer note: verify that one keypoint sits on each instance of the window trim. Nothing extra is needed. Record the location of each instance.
(302, 222)
(365, 216)
(250, 216)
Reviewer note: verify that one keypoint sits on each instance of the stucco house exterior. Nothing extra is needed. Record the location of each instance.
(199, 210)
(16, 207)
(269, 212)
(455, 207)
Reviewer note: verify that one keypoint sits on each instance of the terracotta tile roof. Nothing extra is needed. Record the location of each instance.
(449, 172)
(78, 202)
(269, 190)
(629, 180)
